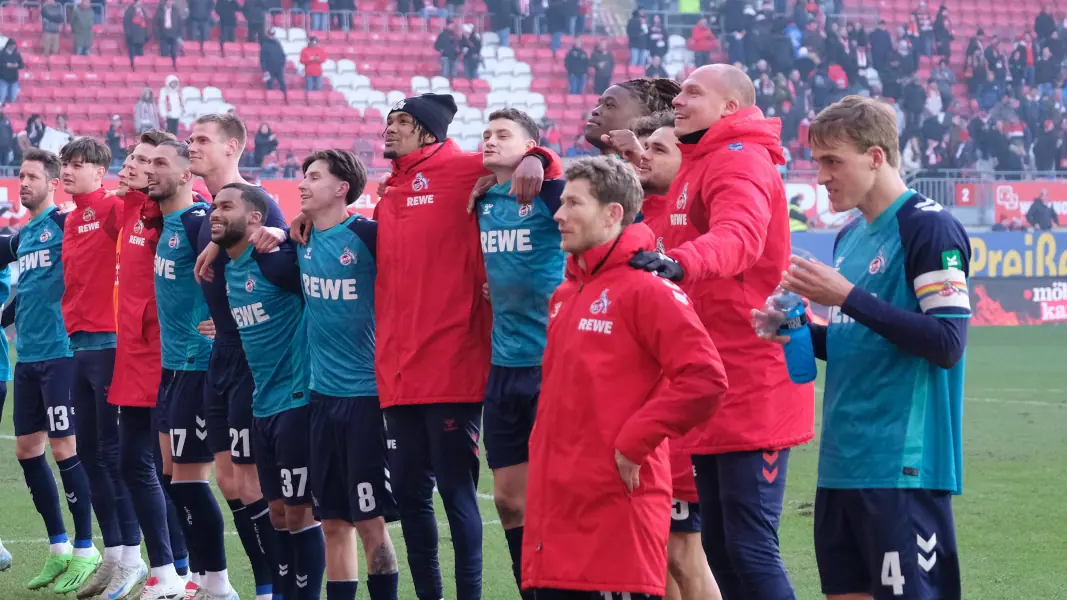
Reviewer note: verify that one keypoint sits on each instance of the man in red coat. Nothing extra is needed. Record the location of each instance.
(312, 57)
(727, 244)
(90, 235)
(433, 332)
(627, 365)
(137, 376)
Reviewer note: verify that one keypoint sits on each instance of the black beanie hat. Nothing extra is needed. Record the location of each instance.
(433, 111)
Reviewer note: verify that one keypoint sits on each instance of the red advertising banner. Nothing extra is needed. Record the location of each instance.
(1018, 301)
(965, 194)
(1013, 198)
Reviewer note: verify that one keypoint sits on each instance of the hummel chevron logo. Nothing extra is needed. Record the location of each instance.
(301, 581)
(927, 546)
(201, 434)
(72, 498)
(200, 422)
(283, 570)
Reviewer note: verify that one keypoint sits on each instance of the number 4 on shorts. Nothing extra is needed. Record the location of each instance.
(891, 574)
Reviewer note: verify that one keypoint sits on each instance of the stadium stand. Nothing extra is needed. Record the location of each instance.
(376, 57)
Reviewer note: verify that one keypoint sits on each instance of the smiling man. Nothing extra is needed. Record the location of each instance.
(621, 104)
(727, 243)
(524, 265)
(90, 236)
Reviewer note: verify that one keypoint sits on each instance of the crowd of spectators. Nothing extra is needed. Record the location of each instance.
(1013, 119)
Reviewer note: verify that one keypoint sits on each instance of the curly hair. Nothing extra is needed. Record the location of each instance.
(655, 93)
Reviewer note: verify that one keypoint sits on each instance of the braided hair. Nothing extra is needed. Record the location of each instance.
(654, 93)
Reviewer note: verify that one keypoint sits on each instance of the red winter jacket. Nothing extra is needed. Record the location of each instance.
(312, 58)
(627, 365)
(657, 218)
(433, 333)
(702, 39)
(729, 228)
(137, 358)
(89, 237)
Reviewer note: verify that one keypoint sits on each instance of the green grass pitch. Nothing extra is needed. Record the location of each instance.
(1011, 520)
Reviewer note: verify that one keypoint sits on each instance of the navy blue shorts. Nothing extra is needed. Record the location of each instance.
(42, 397)
(280, 443)
(890, 543)
(229, 408)
(184, 397)
(685, 516)
(349, 471)
(510, 407)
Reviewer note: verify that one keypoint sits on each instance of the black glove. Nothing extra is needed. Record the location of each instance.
(658, 263)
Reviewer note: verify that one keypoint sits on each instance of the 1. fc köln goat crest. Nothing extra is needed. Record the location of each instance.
(683, 198)
(600, 305)
(420, 183)
(347, 257)
(89, 214)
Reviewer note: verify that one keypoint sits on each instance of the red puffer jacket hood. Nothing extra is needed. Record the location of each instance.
(627, 366)
(729, 228)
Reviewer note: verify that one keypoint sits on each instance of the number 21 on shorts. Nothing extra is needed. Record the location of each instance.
(891, 573)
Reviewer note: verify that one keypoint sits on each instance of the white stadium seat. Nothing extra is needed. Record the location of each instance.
(211, 94)
(346, 66)
(420, 84)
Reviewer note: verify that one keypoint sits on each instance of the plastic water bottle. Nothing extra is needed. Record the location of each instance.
(799, 353)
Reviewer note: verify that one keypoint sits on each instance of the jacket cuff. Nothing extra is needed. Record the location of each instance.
(632, 447)
(550, 161)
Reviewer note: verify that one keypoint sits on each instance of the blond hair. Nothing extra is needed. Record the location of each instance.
(860, 121)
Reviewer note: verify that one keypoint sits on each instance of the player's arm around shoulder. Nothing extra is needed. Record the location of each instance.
(664, 323)
(280, 267)
(737, 199)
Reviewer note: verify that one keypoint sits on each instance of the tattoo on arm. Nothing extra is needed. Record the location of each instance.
(383, 560)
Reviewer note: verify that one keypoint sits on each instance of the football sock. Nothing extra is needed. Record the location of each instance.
(178, 546)
(309, 550)
(181, 566)
(216, 582)
(45, 495)
(76, 488)
(382, 586)
(283, 583)
(166, 575)
(514, 537)
(204, 523)
(342, 590)
(251, 539)
(131, 556)
(112, 554)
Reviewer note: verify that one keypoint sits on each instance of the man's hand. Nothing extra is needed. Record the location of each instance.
(625, 144)
(527, 179)
(268, 238)
(760, 318)
(480, 188)
(203, 271)
(817, 282)
(207, 329)
(658, 263)
(383, 185)
(629, 471)
(485, 291)
(300, 229)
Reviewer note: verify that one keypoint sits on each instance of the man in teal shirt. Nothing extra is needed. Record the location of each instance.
(265, 299)
(524, 265)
